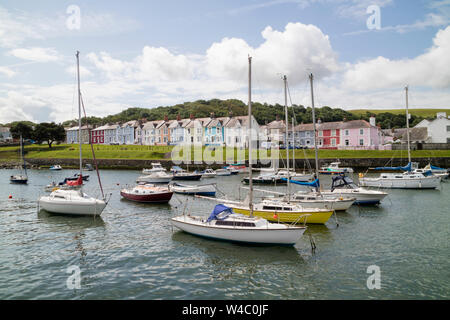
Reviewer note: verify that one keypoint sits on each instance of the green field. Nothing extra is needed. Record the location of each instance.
(64, 151)
(425, 113)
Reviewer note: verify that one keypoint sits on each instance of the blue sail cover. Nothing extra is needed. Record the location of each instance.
(405, 168)
(436, 168)
(218, 209)
(315, 183)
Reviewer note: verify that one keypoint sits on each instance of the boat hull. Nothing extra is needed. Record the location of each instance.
(320, 217)
(19, 181)
(148, 198)
(361, 197)
(202, 190)
(193, 177)
(422, 183)
(154, 180)
(264, 181)
(82, 208)
(248, 236)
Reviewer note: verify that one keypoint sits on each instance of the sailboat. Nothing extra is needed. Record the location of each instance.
(225, 224)
(406, 180)
(21, 178)
(74, 202)
(313, 199)
(276, 210)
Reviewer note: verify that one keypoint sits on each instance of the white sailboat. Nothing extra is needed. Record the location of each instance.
(223, 224)
(343, 186)
(312, 199)
(73, 202)
(21, 178)
(406, 180)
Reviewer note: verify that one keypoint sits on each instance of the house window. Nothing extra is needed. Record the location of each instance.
(333, 133)
(361, 142)
(333, 142)
(448, 128)
(361, 131)
(346, 132)
(320, 133)
(347, 142)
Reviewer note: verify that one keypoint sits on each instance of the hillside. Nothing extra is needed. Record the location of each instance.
(264, 113)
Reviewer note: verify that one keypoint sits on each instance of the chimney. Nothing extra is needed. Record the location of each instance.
(178, 117)
(191, 116)
(166, 118)
(345, 120)
(319, 121)
(230, 114)
(278, 117)
(372, 120)
(212, 115)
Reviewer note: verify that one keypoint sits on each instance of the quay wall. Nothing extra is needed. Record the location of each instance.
(360, 164)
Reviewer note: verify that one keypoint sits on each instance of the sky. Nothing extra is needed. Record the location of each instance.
(157, 53)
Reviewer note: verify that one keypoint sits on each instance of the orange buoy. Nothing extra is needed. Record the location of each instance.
(10, 197)
(275, 216)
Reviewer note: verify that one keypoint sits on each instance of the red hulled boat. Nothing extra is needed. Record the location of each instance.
(147, 193)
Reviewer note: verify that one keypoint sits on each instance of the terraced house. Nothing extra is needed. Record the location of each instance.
(232, 131)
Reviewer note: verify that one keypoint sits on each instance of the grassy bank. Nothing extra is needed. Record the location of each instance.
(64, 151)
(425, 113)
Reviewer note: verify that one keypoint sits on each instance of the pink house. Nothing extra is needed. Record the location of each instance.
(360, 134)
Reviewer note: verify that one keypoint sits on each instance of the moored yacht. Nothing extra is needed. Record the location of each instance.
(343, 186)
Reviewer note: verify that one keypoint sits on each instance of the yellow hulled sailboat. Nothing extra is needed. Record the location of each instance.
(283, 212)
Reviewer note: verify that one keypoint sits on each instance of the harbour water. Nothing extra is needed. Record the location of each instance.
(132, 252)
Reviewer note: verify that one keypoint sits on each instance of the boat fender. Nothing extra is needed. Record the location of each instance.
(361, 175)
(10, 197)
(275, 216)
(341, 198)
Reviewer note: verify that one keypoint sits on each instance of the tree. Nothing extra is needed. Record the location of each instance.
(49, 132)
(21, 128)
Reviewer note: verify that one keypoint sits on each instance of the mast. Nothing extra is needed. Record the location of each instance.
(249, 126)
(286, 138)
(311, 78)
(79, 109)
(407, 125)
(293, 146)
(24, 167)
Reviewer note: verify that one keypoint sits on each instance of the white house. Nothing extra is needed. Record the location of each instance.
(438, 129)
(236, 133)
(5, 134)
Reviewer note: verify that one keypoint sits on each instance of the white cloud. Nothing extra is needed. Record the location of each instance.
(295, 51)
(84, 72)
(429, 69)
(36, 54)
(7, 71)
